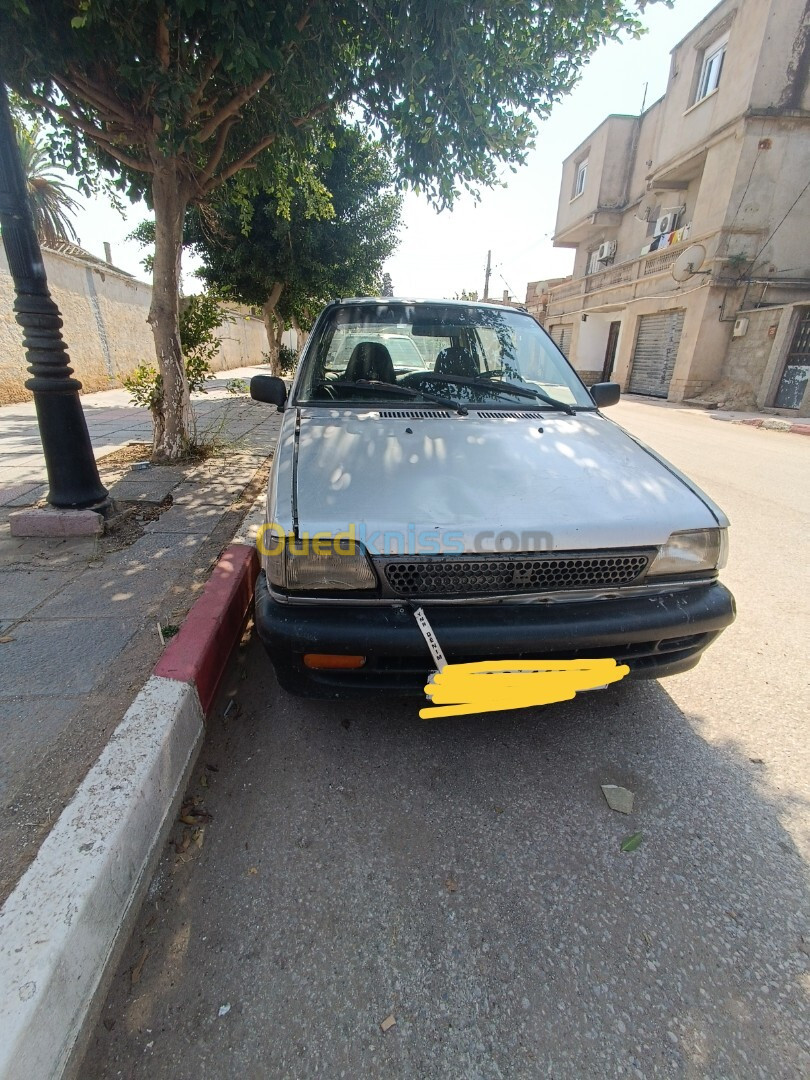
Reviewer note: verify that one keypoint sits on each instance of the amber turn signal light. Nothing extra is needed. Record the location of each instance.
(332, 661)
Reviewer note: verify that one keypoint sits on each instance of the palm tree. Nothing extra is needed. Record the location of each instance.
(48, 195)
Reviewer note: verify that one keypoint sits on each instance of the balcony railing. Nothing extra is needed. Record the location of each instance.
(571, 288)
(627, 273)
(613, 275)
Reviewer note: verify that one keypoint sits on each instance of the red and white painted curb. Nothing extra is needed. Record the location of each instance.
(774, 423)
(65, 924)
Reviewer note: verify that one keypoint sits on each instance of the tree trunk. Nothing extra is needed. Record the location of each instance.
(299, 336)
(274, 327)
(169, 200)
(158, 428)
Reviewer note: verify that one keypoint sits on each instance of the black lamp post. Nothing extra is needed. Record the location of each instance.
(72, 472)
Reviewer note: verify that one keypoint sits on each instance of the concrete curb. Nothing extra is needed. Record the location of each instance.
(63, 927)
(774, 423)
(200, 651)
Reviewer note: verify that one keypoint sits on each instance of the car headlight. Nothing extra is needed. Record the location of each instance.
(690, 552)
(319, 563)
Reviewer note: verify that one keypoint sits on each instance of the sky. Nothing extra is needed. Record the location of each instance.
(442, 253)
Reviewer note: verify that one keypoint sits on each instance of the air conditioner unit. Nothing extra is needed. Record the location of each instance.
(668, 221)
(606, 251)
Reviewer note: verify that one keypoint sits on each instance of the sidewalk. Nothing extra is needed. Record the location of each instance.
(78, 618)
(769, 421)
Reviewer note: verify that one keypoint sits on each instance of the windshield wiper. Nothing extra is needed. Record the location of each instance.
(499, 386)
(399, 391)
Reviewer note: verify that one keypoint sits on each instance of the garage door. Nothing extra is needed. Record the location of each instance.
(561, 336)
(655, 353)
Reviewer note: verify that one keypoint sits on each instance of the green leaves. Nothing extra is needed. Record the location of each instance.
(322, 228)
(631, 842)
(451, 87)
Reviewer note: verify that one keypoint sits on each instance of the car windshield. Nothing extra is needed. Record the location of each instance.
(479, 356)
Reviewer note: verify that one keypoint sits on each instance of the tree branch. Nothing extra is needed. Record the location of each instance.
(233, 106)
(74, 119)
(96, 97)
(217, 152)
(207, 74)
(240, 163)
(162, 41)
(246, 158)
(324, 106)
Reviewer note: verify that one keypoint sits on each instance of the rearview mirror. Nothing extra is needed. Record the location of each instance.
(605, 393)
(270, 389)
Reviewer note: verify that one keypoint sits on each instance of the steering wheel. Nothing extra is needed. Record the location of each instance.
(328, 391)
(415, 378)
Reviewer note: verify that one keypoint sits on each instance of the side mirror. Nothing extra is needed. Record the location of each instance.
(270, 389)
(605, 393)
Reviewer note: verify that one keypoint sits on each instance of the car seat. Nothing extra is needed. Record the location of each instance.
(370, 360)
(456, 361)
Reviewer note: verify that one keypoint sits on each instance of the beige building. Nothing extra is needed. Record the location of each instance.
(718, 167)
(538, 294)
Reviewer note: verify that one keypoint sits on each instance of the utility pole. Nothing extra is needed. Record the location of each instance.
(487, 275)
(72, 471)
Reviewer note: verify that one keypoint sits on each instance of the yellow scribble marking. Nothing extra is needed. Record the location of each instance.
(492, 685)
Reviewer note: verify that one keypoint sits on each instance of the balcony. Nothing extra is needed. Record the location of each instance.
(615, 286)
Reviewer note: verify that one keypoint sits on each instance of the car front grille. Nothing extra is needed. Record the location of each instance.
(488, 575)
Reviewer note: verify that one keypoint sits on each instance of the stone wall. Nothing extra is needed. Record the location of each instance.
(747, 356)
(104, 313)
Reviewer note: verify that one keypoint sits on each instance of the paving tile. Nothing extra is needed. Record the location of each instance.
(10, 492)
(38, 553)
(32, 496)
(153, 550)
(112, 591)
(188, 519)
(60, 657)
(23, 590)
(29, 725)
(21, 474)
(147, 491)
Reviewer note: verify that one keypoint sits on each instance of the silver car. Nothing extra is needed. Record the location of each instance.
(483, 485)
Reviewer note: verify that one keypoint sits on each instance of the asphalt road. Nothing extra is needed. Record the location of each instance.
(465, 875)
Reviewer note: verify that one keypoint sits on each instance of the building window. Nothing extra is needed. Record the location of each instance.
(712, 68)
(593, 262)
(579, 180)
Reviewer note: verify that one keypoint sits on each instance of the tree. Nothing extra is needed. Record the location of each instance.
(291, 258)
(48, 194)
(387, 287)
(201, 315)
(176, 97)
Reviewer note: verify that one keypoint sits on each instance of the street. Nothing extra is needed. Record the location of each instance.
(464, 876)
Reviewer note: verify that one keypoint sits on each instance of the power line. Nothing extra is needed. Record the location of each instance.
(745, 191)
(781, 223)
(499, 268)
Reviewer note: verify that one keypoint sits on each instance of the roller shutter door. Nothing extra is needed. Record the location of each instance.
(561, 336)
(655, 353)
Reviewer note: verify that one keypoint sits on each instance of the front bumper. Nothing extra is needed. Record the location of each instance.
(655, 636)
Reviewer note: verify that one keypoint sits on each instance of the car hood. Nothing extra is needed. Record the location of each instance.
(410, 482)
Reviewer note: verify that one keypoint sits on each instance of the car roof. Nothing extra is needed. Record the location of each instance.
(383, 300)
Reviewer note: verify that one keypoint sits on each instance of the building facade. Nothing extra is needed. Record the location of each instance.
(538, 294)
(691, 221)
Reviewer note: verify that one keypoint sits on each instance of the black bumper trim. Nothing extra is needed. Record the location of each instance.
(656, 635)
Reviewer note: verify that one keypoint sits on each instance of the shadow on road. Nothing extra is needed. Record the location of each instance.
(465, 876)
